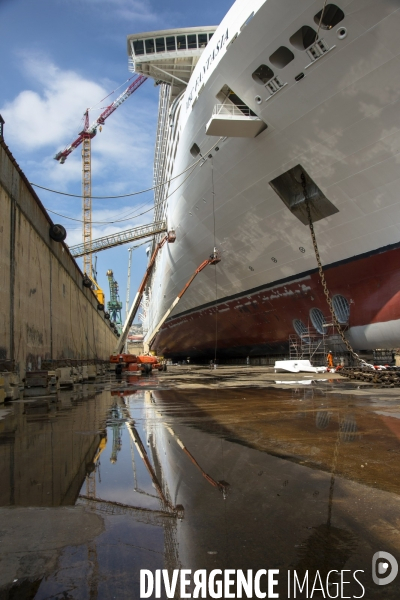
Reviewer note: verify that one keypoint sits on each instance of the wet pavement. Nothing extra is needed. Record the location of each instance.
(196, 469)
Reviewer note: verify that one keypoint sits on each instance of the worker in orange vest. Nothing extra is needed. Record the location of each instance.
(329, 360)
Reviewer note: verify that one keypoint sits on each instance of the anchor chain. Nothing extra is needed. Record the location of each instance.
(322, 277)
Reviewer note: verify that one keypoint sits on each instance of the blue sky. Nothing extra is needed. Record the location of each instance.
(59, 57)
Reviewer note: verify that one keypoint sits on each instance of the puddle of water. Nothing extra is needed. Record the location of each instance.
(299, 478)
(43, 454)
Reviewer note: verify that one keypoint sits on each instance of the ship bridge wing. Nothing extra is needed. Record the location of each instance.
(168, 56)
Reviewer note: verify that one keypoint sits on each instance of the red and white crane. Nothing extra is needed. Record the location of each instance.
(84, 138)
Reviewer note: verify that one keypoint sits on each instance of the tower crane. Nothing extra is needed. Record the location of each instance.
(84, 138)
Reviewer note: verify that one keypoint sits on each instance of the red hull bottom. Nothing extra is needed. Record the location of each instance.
(260, 321)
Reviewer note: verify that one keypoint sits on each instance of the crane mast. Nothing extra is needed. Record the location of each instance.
(85, 138)
(128, 290)
(87, 197)
(114, 305)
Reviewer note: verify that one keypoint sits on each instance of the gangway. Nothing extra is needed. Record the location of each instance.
(117, 239)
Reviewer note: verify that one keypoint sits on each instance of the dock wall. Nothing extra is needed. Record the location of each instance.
(45, 312)
(35, 471)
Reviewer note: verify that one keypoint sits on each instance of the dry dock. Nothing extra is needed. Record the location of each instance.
(45, 312)
(237, 468)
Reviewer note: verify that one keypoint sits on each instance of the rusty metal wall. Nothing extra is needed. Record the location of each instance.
(45, 312)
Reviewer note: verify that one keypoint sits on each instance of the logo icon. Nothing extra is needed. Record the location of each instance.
(384, 563)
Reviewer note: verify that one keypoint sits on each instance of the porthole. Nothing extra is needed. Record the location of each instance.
(263, 74)
(341, 33)
(331, 16)
(258, 99)
(303, 38)
(299, 327)
(318, 320)
(281, 57)
(341, 308)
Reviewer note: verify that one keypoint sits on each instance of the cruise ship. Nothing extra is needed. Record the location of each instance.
(286, 101)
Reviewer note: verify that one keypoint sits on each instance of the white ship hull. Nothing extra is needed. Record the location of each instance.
(339, 122)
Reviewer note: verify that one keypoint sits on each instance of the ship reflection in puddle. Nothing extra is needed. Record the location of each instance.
(313, 476)
(297, 478)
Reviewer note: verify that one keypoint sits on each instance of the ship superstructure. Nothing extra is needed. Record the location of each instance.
(169, 57)
(281, 92)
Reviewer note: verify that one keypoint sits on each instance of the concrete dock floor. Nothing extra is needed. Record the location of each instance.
(237, 467)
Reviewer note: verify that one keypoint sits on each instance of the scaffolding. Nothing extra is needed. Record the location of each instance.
(314, 347)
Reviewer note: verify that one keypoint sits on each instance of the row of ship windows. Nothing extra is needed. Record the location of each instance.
(342, 311)
(171, 43)
(301, 40)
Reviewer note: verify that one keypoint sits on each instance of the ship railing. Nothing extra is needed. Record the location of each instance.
(233, 110)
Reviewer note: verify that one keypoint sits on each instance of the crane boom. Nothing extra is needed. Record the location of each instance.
(170, 238)
(91, 130)
(212, 260)
(85, 138)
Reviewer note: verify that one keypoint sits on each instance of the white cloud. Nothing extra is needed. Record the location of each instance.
(50, 118)
(45, 117)
(40, 123)
(47, 172)
(132, 10)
